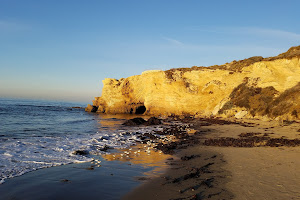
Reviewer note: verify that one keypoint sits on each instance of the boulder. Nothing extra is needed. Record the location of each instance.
(153, 121)
(134, 121)
(81, 152)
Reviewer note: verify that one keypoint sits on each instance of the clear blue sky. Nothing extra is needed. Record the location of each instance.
(62, 49)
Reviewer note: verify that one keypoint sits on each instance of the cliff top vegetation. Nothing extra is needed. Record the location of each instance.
(237, 66)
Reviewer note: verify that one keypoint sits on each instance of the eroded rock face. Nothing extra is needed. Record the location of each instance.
(255, 87)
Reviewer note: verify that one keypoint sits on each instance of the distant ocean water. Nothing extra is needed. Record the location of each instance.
(38, 134)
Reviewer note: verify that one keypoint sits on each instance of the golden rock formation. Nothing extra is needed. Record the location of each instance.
(253, 87)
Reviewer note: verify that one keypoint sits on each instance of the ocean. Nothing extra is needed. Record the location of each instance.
(37, 134)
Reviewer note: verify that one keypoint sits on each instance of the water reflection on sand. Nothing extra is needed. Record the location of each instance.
(141, 154)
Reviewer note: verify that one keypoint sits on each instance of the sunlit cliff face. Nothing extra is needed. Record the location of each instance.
(211, 91)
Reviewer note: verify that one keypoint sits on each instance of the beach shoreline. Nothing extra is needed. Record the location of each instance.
(244, 159)
(200, 158)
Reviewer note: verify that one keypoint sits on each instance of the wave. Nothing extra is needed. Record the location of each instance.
(19, 156)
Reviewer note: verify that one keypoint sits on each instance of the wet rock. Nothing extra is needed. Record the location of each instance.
(153, 121)
(105, 148)
(90, 168)
(141, 121)
(81, 152)
(134, 121)
(148, 135)
(65, 181)
(143, 178)
(167, 148)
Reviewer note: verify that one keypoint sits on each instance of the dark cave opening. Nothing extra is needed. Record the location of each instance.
(94, 109)
(140, 110)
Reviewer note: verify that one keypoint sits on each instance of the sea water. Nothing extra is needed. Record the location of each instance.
(38, 134)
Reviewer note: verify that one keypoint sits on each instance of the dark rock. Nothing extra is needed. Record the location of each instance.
(90, 168)
(148, 135)
(65, 181)
(104, 138)
(81, 152)
(143, 178)
(134, 121)
(105, 148)
(167, 148)
(153, 121)
(141, 121)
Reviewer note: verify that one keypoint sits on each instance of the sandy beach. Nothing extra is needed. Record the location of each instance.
(254, 160)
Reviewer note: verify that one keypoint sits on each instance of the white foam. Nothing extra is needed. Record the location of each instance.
(24, 155)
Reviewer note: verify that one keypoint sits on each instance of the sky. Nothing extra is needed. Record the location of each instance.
(62, 49)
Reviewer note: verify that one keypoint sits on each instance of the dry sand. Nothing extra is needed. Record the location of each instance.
(263, 173)
(260, 172)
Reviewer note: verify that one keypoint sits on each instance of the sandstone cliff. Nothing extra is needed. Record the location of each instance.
(253, 87)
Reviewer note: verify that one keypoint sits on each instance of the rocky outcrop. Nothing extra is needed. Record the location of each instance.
(253, 87)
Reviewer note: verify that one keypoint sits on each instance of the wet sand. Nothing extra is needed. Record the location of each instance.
(110, 181)
(193, 174)
(235, 159)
